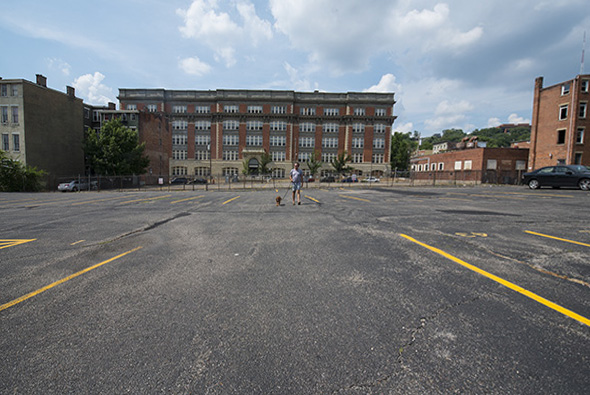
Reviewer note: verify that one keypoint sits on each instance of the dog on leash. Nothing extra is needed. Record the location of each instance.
(278, 200)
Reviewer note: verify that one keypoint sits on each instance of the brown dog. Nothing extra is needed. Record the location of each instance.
(278, 199)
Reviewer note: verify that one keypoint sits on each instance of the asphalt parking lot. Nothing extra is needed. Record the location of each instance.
(388, 290)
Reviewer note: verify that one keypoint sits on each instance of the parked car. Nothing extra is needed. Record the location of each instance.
(349, 179)
(371, 179)
(179, 180)
(75, 185)
(328, 179)
(309, 179)
(199, 180)
(559, 176)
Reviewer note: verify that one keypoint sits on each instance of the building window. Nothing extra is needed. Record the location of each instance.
(254, 125)
(230, 155)
(492, 164)
(4, 90)
(278, 141)
(14, 90)
(179, 171)
(179, 154)
(332, 112)
(582, 112)
(179, 139)
(458, 164)
(379, 128)
(229, 171)
(358, 128)
(441, 166)
(584, 86)
(278, 156)
(580, 136)
(563, 112)
(330, 128)
(359, 112)
(380, 112)
(179, 109)
(330, 142)
(202, 109)
(357, 158)
(231, 109)
(201, 171)
(15, 142)
(231, 139)
(561, 136)
(201, 155)
(203, 125)
(231, 125)
(254, 141)
(152, 108)
(577, 158)
(4, 111)
(467, 165)
(378, 158)
(307, 111)
(307, 127)
(131, 107)
(358, 142)
(306, 142)
(202, 139)
(303, 156)
(379, 143)
(328, 157)
(278, 173)
(565, 89)
(254, 109)
(278, 109)
(278, 126)
(14, 114)
(179, 125)
(5, 142)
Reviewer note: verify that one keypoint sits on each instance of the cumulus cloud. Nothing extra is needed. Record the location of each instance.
(204, 21)
(63, 67)
(194, 66)
(512, 118)
(91, 89)
(407, 127)
(387, 83)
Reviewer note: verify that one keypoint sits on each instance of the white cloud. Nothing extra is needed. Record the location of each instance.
(64, 67)
(387, 83)
(445, 107)
(404, 128)
(205, 22)
(494, 122)
(91, 89)
(514, 118)
(194, 66)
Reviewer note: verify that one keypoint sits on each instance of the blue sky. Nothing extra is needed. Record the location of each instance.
(456, 64)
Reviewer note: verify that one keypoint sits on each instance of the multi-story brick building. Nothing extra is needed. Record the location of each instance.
(153, 129)
(217, 132)
(560, 123)
(42, 127)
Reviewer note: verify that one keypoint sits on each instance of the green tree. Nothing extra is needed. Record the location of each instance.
(402, 147)
(115, 150)
(454, 135)
(314, 163)
(16, 177)
(265, 160)
(339, 163)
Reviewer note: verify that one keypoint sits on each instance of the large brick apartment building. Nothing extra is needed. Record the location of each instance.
(560, 123)
(216, 132)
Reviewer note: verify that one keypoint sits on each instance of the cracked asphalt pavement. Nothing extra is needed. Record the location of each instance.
(381, 291)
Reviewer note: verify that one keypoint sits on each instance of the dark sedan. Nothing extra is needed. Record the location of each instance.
(559, 176)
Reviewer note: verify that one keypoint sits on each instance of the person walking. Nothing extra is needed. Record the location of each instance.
(296, 177)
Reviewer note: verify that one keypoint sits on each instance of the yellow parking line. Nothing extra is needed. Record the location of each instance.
(230, 200)
(145, 200)
(184, 200)
(557, 238)
(77, 242)
(355, 198)
(98, 200)
(310, 198)
(13, 242)
(63, 280)
(507, 284)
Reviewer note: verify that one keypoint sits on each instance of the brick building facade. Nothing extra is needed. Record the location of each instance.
(216, 132)
(560, 123)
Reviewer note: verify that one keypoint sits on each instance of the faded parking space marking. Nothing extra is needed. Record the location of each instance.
(312, 199)
(230, 200)
(63, 280)
(505, 283)
(557, 238)
(354, 198)
(187, 199)
(146, 199)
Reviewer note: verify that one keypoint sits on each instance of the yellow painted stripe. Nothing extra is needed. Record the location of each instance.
(63, 280)
(98, 200)
(355, 198)
(310, 198)
(187, 199)
(505, 283)
(13, 242)
(557, 238)
(230, 200)
(145, 200)
(77, 242)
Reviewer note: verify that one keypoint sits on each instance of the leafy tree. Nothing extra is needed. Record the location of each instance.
(265, 160)
(314, 163)
(115, 150)
(454, 135)
(339, 163)
(16, 177)
(246, 168)
(402, 147)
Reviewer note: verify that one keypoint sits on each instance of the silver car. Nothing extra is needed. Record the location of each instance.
(72, 186)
